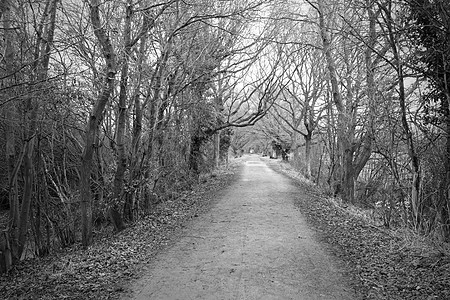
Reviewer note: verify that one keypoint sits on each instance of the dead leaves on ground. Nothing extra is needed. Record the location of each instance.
(107, 267)
(381, 263)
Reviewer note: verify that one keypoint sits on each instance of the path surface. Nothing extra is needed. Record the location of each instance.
(253, 244)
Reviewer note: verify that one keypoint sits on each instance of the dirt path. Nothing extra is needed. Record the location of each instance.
(253, 244)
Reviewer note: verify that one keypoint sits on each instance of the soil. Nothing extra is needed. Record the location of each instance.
(252, 244)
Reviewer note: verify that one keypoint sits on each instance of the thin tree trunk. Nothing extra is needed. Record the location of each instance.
(415, 185)
(10, 135)
(95, 119)
(294, 147)
(348, 180)
(41, 67)
(366, 151)
(155, 87)
(364, 155)
(332, 145)
(320, 166)
(219, 107)
(136, 156)
(27, 193)
(446, 208)
(216, 142)
(120, 136)
(194, 155)
(162, 120)
(137, 122)
(308, 142)
(343, 142)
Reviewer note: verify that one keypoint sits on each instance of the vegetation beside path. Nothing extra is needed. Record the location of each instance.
(384, 264)
(107, 267)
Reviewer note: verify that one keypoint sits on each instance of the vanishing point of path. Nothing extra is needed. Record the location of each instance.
(253, 244)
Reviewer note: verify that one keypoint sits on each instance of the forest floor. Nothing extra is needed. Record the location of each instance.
(382, 264)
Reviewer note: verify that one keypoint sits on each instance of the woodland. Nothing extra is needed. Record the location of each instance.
(110, 108)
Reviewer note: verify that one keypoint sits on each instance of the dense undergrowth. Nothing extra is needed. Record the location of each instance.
(107, 267)
(383, 263)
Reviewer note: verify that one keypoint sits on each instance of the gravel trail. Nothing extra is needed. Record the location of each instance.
(252, 244)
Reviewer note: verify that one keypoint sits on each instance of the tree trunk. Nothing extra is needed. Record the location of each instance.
(216, 142)
(14, 206)
(294, 148)
(41, 67)
(332, 145)
(27, 193)
(120, 135)
(136, 152)
(343, 143)
(218, 101)
(5, 248)
(320, 166)
(447, 169)
(308, 142)
(348, 178)
(94, 122)
(154, 96)
(415, 184)
(194, 156)
(366, 151)
(11, 136)
(363, 156)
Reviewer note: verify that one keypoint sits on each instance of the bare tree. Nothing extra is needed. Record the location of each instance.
(302, 103)
(95, 119)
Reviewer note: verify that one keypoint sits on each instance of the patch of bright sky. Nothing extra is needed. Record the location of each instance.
(273, 20)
